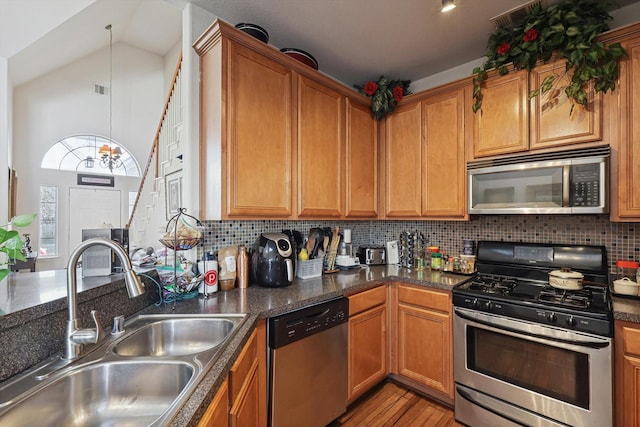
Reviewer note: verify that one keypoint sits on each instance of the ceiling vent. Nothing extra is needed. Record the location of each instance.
(518, 14)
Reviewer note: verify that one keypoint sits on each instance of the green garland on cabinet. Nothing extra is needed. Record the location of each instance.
(567, 30)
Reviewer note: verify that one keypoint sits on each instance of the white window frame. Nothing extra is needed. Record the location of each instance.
(56, 223)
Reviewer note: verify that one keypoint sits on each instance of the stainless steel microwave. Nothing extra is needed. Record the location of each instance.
(565, 182)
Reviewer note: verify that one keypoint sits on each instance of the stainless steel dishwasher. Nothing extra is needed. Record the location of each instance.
(308, 365)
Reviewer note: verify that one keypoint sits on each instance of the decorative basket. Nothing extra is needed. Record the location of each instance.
(180, 244)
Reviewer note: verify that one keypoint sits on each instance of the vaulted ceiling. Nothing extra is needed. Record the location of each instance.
(353, 40)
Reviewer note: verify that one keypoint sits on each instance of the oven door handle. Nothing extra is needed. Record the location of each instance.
(465, 395)
(589, 344)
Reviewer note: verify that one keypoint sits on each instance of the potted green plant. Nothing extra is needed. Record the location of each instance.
(567, 30)
(11, 243)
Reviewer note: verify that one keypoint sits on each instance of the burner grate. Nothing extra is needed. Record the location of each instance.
(573, 298)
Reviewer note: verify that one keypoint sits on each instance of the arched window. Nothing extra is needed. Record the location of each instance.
(91, 154)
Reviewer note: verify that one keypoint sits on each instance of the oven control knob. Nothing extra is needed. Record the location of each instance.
(487, 305)
(571, 321)
(552, 318)
(474, 303)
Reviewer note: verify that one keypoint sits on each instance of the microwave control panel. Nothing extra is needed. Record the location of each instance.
(585, 185)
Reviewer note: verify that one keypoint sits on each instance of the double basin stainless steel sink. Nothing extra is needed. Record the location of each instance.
(140, 378)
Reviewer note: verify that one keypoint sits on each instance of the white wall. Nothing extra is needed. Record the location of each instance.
(5, 93)
(62, 103)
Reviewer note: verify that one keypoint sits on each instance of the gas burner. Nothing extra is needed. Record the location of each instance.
(578, 298)
(493, 285)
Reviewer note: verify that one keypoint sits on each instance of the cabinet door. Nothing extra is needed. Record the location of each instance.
(501, 126)
(627, 374)
(629, 149)
(245, 411)
(217, 414)
(443, 167)
(423, 347)
(367, 350)
(258, 151)
(320, 150)
(361, 162)
(402, 162)
(553, 123)
(424, 352)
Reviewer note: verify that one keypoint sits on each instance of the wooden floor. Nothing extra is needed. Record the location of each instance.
(393, 405)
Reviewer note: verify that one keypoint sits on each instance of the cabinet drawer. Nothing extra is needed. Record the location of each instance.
(242, 367)
(428, 298)
(631, 339)
(367, 299)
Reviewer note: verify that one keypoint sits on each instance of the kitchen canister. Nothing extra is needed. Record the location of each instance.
(208, 267)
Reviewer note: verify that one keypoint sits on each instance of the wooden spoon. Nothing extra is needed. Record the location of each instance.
(311, 243)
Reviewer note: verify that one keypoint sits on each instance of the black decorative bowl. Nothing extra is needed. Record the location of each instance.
(302, 56)
(254, 30)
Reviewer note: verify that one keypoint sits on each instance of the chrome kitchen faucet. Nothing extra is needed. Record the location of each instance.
(76, 336)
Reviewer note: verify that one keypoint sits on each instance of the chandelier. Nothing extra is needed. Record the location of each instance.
(110, 155)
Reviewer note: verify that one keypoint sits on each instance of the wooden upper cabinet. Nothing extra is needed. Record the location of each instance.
(552, 121)
(501, 126)
(320, 150)
(273, 136)
(628, 155)
(361, 163)
(258, 155)
(443, 167)
(402, 161)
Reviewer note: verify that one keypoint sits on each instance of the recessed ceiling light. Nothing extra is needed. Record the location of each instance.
(448, 5)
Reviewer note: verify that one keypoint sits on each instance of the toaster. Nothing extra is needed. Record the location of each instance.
(371, 255)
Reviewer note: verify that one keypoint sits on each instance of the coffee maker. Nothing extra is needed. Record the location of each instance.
(272, 260)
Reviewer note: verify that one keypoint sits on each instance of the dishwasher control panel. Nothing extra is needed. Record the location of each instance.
(295, 325)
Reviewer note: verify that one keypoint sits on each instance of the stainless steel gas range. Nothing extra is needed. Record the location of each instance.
(526, 353)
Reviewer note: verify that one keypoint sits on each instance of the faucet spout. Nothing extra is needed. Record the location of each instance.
(76, 337)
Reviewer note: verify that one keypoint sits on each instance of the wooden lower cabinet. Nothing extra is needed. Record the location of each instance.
(367, 340)
(627, 374)
(423, 340)
(217, 414)
(243, 396)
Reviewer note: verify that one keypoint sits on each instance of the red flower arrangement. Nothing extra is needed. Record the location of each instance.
(385, 94)
(530, 35)
(503, 48)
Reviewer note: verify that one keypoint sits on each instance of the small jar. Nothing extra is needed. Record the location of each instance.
(436, 261)
(449, 264)
(628, 269)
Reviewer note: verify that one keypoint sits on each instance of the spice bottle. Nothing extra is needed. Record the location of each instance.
(243, 267)
(436, 261)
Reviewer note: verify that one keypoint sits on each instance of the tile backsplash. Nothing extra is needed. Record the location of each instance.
(622, 240)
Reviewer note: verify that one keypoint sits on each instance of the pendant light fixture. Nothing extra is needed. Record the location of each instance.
(448, 5)
(110, 154)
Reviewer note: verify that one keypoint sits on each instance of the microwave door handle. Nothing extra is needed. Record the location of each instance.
(566, 185)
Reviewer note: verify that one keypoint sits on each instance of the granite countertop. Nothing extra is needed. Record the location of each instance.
(257, 302)
(627, 309)
(260, 303)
